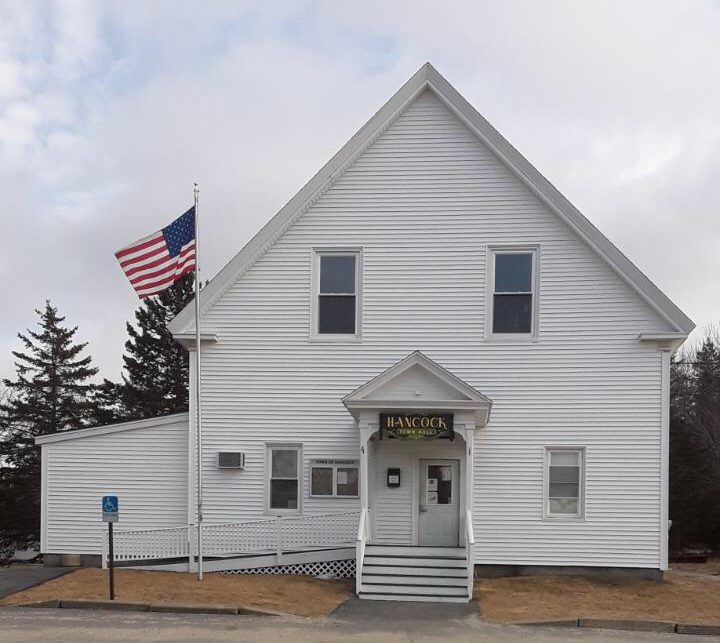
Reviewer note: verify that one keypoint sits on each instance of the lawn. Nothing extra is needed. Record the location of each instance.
(679, 598)
(299, 595)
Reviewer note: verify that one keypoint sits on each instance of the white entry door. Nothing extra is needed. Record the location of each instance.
(439, 503)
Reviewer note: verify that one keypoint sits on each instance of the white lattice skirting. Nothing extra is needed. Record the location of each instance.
(335, 568)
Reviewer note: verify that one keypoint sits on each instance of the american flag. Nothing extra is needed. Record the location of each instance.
(155, 262)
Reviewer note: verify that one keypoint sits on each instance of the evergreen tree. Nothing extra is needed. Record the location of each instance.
(695, 447)
(51, 394)
(155, 377)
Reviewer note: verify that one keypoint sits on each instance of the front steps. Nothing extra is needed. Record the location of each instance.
(437, 574)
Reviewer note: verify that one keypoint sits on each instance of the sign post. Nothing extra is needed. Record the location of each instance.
(110, 515)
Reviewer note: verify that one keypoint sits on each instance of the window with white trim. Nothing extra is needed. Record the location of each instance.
(283, 493)
(564, 482)
(336, 305)
(513, 292)
(334, 479)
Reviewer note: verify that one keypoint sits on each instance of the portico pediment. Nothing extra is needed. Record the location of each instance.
(418, 383)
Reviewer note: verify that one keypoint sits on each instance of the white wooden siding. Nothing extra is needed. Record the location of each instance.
(145, 467)
(395, 509)
(424, 202)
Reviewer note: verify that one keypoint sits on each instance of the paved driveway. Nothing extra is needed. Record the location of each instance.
(19, 577)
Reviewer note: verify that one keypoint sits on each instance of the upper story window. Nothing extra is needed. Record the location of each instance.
(513, 292)
(564, 482)
(336, 304)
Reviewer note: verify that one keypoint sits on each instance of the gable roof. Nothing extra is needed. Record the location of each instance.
(428, 78)
(456, 393)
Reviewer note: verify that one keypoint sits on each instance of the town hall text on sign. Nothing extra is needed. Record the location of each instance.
(416, 426)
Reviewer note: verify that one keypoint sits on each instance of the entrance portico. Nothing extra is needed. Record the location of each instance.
(416, 423)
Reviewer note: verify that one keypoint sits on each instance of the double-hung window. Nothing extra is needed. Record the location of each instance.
(284, 478)
(334, 478)
(513, 292)
(564, 482)
(336, 305)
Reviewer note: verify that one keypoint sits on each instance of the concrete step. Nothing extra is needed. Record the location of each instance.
(405, 551)
(414, 598)
(412, 590)
(428, 581)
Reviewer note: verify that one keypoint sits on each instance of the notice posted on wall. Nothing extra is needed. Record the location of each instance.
(342, 477)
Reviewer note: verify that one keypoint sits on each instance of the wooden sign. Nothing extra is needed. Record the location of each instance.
(417, 426)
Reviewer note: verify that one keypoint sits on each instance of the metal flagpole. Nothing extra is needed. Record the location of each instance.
(198, 419)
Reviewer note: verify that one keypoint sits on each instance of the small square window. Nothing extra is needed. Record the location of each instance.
(321, 481)
(334, 478)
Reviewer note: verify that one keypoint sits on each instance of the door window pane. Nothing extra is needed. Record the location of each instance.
(512, 314)
(347, 481)
(321, 481)
(439, 484)
(513, 272)
(336, 314)
(337, 275)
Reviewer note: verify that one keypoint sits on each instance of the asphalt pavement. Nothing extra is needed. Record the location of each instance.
(18, 577)
(37, 625)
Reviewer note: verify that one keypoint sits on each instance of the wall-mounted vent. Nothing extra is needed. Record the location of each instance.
(231, 460)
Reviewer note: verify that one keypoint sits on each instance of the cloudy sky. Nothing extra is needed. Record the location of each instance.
(110, 110)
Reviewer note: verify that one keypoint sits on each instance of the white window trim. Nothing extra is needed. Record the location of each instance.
(580, 515)
(315, 293)
(269, 447)
(511, 338)
(334, 465)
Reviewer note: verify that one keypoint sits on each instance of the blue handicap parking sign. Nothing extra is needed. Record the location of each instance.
(110, 508)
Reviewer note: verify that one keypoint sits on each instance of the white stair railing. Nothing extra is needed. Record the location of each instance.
(470, 552)
(363, 534)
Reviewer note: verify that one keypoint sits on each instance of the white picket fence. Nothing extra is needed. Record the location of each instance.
(278, 535)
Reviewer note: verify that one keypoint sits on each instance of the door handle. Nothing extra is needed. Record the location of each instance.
(423, 508)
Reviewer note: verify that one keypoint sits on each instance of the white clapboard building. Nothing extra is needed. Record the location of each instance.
(427, 363)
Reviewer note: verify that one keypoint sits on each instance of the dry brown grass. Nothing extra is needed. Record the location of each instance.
(711, 567)
(300, 595)
(678, 598)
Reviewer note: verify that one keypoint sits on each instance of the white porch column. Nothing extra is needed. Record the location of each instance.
(366, 430)
(467, 431)
(469, 464)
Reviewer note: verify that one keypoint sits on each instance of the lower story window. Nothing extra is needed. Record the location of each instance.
(334, 478)
(284, 483)
(564, 486)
